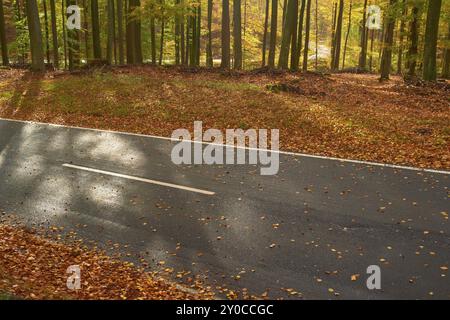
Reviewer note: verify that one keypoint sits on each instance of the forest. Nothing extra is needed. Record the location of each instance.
(407, 37)
(94, 206)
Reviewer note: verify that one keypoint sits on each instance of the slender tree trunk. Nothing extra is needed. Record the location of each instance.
(431, 37)
(47, 33)
(188, 40)
(348, 33)
(372, 36)
(294, 37)
(63, 22)
(163, 30)
(317, 34)
(363, 54)
(209, 54)
(298, 50)
(266, 27)
(414, 47)
(96, 44)
(153, 39)
(182, 35)
(193, 38)
(54, 34)
(333, 33)
(198, 34)
(446, 67)
(225, 34)
(237, 34)
(34, 29)
(337, 53)
(386, 58)
(307, 32)
(177, 34)
(114, 31)
(85, 30)
(110, 31)
(3, 42)
(120, 31)
(273, 33)
(400, 40)
(20, 31)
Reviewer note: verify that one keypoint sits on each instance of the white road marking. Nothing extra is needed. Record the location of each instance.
(368, 163)
(125, 176)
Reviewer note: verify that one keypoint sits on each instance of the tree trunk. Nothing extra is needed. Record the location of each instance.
(287, 34)
(47, 33)
(266, 27)
(298, 50)
(133, 34)
(237, 34)
(182, 35)
(363, 54)
(63, 22)
(34, 29)
(372, 36)
(3, 43)
(96, 44)
(110, 31)
(120, 31)
(73, 41)
(414, 35)
(161, 38)
(54, 34)
(198, 35)
(85, 29)
(294, 37)
(317, 34)
(153, 38)
(446, 67)
(273, 33)
(333, 33)
(338, 35)
(400, 40)
(386, 58)
(209, 55)
(307, 31)
(348, 33)
(431, 37)
(225, 34)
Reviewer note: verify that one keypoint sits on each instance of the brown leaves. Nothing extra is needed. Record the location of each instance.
(33, 266)
(346, 116)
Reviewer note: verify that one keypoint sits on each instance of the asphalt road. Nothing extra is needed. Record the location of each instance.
(309, 228)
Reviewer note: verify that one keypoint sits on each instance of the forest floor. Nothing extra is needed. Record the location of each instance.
(343, 115)
(45, 254)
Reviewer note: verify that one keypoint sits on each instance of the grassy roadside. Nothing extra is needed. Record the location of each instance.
(34, 266)
(345, 116)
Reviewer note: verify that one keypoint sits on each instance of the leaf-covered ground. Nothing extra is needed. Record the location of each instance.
(345, 116)
(33, 265)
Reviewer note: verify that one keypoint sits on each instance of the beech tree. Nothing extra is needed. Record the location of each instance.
(335, 60)
(226, 34)
(237, 34)
(386, 59)
(34, 28)
(431, 37)
(273, 33)
(54, 34)
(3, 43)
(307, 31)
